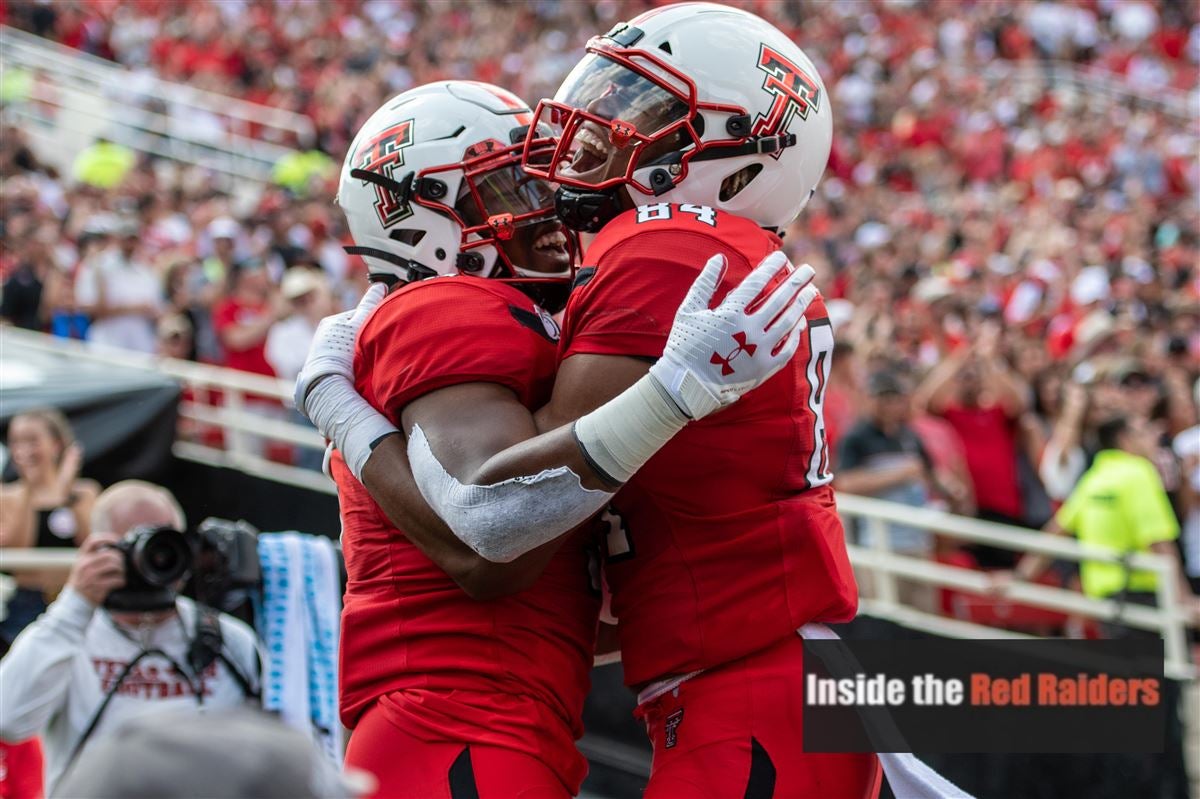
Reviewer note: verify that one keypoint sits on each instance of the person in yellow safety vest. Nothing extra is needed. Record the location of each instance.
(104, 164)
(1119, 504)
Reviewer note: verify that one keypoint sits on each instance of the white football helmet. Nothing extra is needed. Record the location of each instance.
(695, 103)
(432, 185)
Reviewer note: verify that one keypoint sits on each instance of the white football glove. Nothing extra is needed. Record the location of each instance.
(325, 390)
(714, 356)
(332, 348)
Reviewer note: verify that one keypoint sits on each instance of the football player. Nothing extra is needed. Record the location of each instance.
(467, 638)
(699, 128)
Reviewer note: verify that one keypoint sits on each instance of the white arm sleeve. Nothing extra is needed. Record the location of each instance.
(504, 520)
(36, 672)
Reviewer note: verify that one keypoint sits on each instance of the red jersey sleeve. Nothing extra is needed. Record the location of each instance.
(627, 304)
(447, 331)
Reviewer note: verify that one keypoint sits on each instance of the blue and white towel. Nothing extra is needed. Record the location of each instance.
(298, 621)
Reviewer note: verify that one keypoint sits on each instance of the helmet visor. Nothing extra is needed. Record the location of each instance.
(508, 190)
(606, 117)
(515, 210)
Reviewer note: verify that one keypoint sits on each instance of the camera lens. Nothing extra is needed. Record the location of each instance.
(163, 557)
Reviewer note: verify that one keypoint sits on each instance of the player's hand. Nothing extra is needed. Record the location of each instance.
(715, 355)
(99, 569)
(332, 349)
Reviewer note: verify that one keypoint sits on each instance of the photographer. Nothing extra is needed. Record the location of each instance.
(85, 666)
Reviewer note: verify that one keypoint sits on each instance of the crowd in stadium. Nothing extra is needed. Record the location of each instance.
(976, 227)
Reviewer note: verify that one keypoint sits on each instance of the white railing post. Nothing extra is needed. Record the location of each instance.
(1171, 614)
(884, 579)
(237, 440)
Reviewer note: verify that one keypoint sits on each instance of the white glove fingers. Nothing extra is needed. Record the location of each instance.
(700, 294)
(369, 302)
(753, 284)
(785, 350)
(793, 313)
(785, 297)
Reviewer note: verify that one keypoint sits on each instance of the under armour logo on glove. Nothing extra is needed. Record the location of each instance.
(726, 360)
(701, 333)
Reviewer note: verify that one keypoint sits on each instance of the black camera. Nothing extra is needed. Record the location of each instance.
(227, 566)
(156, 560)
(220, 558)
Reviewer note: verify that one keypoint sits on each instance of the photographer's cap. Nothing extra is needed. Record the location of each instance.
(224, 754)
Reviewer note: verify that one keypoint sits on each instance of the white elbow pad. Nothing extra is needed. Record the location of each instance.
(505, 520)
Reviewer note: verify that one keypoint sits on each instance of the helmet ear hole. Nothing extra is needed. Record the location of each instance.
(733, 184)
(408, 236)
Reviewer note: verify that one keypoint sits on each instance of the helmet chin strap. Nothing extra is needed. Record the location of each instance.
(523, 272)
(586, 210)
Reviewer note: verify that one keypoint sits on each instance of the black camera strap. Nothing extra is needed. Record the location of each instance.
(206, 639)
(208, 645)
(116, 686)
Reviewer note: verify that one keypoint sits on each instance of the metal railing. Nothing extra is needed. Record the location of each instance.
(885, 565)
(74, 98)
(1099, 83)
(240, 426)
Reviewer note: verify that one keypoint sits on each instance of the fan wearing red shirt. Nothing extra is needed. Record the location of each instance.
(464, 659)
(243, 319)
(982, 398)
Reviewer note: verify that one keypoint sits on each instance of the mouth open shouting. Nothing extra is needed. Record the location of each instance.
(592, 159)
(540, 249)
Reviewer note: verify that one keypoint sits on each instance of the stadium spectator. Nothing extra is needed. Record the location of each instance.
(48, 505)
(80, 669)
(882, 456)
(175, 338)
(288, 340)
(104, 164)
(121, 293)
(21, 304)
(1119, 505)
(979, 395)
(223, 234)
(843, 400)
(190, 297)
(244, 317)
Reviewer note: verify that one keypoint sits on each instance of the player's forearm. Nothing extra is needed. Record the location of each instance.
(555, 449)
(388, 478)
(534, 490)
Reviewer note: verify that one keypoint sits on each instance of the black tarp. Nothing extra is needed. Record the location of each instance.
(123, 417)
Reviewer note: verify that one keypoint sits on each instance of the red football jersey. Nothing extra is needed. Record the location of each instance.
(512, 672)
(728, 539)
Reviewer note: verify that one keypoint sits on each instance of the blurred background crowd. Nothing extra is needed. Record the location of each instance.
(1008, 260)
